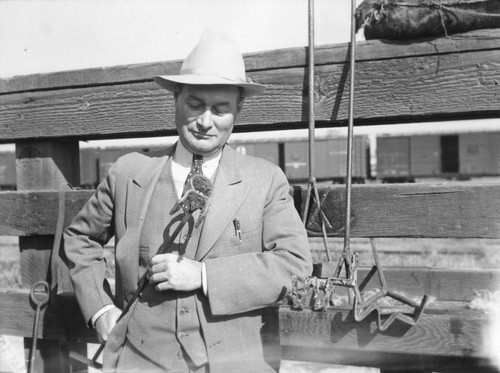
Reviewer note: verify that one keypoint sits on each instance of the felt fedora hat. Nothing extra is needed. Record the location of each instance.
(215, 60)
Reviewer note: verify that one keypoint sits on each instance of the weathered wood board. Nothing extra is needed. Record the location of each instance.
(435, 80)
(59, 321)
(378, 210)
(280, 58)
(442, 331)
(450, 293)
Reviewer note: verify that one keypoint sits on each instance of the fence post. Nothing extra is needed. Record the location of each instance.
(45, 165)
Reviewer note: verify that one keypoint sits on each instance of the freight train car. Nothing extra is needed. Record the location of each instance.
(95, 162)
(479, 154)
(331, 160)
(270, 150)
(330, 154)
(398, 158)
(456, 156)
(7, 170)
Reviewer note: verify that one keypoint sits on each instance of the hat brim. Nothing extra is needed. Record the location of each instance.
(169, 82)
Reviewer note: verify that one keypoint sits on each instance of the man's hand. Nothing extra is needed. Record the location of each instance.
(106, 322)
(172, 271)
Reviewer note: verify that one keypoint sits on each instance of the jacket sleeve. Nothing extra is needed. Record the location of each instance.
(84, 242)
(256, 279)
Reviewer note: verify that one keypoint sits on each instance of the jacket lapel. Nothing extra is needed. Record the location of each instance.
(140, 189)
(228, 194)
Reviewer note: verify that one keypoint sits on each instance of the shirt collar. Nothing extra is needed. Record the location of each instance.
(184, 157)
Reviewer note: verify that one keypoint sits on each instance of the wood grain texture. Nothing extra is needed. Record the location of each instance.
(280, 58)
(61, 319)
(392, 88)
(448, 330)
(43, 165)
(440, 284)
(453, 332)
(35, 212)
(387, 361)
(465, 210)
(412, 210)
(455, 327)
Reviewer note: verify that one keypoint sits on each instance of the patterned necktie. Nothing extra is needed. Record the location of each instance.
(195, 170)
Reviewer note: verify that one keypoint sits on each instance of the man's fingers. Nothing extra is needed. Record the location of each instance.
(158, 277)
(162, 286)
(163, 258)
(157, 268)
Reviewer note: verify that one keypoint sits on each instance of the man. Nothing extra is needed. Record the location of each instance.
(200, 310)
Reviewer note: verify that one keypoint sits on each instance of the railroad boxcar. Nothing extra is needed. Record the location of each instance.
(7, 170)
(330, 157)
(479, 154)
(458, 156)
(266, 150)
(89, 163)
(393, 158)
(405, 158)
(425, 156)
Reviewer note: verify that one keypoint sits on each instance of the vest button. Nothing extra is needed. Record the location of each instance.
(183, 335)
(183, 310)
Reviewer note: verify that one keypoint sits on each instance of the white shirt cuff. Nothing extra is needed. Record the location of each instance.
(99, 313)
(204, 285)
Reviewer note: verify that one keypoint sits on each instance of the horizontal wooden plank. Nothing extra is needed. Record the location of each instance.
(60, 320)
(444, 332)
(439, 284)
(282, 58)
(397, 88)
(446, 328)
(35, 212)
(461, 210)
(387, 361)
(412, 210)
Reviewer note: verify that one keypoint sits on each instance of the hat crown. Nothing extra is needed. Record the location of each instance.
(215, 55)
(215, 60)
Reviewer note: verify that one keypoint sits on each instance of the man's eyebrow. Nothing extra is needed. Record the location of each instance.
(194, 97)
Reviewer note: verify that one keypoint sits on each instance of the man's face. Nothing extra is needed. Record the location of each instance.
(205, 116)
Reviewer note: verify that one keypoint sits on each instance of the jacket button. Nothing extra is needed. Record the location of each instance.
(183, 311)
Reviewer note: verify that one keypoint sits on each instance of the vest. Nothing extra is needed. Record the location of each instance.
(163, 322)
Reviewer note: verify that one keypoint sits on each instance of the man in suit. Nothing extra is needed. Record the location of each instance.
(201, 309)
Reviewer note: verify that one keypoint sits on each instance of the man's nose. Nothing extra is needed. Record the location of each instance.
(205, 120)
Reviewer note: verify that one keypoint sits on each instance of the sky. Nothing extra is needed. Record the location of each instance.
(54, 35)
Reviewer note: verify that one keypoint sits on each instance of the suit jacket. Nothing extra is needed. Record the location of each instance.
(243, 275)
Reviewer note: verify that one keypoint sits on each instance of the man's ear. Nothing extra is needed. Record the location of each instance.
(240, 104)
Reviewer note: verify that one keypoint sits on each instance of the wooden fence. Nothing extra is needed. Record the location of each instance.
(449, 78)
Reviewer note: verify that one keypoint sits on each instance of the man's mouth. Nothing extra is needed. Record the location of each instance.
(200, 135)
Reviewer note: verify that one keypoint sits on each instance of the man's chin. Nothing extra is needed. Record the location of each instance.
(205, 149)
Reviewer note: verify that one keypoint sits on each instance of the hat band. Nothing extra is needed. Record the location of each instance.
(204, 72)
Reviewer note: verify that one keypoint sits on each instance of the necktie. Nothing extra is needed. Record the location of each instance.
(195, 170)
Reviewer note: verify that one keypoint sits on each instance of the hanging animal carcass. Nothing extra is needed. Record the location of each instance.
(410, 19)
